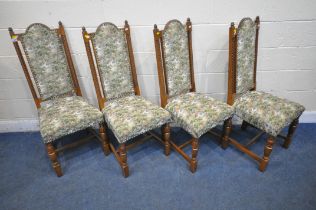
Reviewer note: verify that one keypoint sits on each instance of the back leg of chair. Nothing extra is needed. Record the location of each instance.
(166, 138)
(105, 140)
(244, 125)
(123, 157)
(195, 148)
(53, 157)
(266, 154)
(290, 133)
(226, 132)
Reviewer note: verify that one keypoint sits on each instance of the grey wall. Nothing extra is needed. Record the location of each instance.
(286, 58)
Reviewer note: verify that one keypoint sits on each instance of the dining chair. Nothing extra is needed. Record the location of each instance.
(127, 114)
(46, 61)
(194, 112)
(264, 111)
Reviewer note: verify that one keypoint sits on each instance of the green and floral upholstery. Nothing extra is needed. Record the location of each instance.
(113, 61)
(267, 112)
(47, 60)
(131, 116)
(176, 58)
(63, 116)
(246, 39)
(197, 113)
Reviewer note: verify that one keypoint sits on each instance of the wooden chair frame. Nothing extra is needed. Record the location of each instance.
(232, 74)
(52, 149)
(120, 153)
(164, 96)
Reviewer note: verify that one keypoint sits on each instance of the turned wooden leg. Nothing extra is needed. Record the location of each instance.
(226, 132)
(244, 125)
(195, 148)
(166, 138)
(53, 157)
(123, 156)
(266, 153)
(105, 140)
(290, 133)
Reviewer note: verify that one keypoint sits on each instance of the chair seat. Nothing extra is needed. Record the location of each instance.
(131, 116)
(267, 112)
(63, 116)
(197, 113)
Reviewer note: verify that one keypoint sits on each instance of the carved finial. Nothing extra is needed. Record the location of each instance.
(126, 26)
(189, 25)
(258, 21)
(156, 30)
(14, 37)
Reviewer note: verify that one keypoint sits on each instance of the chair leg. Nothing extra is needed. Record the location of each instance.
(123, 156)
(266, 154)
(244, 125)
(195, 148)
(290, 133)
(166, 138)
(105, 140)
(53, 157)
(226, 132)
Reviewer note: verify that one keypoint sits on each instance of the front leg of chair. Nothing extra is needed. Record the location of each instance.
(105, 140)
(53, 157)
(123, 156)
(226, 132)
(290, 133)
(195, 148)
(166, 138)
(266, 153)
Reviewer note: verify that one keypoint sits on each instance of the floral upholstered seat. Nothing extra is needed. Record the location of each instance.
(267, 112)
(131, 116)
(127, 114)
(197, 113)
(63, 116)
(61, 112)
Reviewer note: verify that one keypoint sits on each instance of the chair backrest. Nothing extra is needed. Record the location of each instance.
(113, 55)
(49, 60)
(173, 47)
(243, 47)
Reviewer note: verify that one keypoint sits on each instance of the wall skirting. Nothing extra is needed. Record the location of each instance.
(18, 125)
(32, 124)
(308, 117)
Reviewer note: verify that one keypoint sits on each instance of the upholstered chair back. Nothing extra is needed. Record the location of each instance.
(47, 61)
(246, 55)
(113, 62)
(175, 51)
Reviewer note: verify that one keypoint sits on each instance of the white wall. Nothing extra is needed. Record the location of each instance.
(287, 46)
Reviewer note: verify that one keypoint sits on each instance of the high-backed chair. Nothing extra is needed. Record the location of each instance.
(194, 112)
(257, 109)
(126, 113)
(61, 108)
